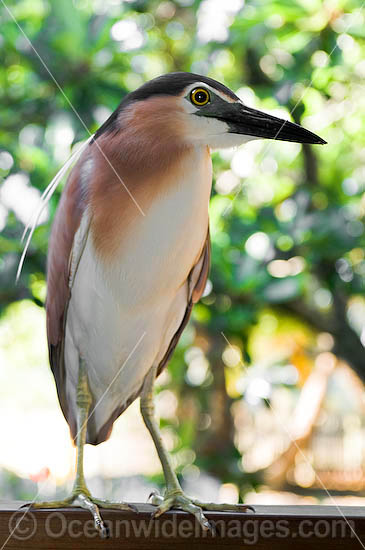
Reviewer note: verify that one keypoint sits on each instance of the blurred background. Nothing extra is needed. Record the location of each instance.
(264, 396)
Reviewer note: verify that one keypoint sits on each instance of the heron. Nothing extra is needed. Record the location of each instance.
(129, 256)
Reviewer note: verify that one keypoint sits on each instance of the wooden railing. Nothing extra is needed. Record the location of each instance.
(270, 527)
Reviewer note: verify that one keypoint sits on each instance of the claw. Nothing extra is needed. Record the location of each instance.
(152, 494)
(88, 504)
(155, 498)
(133, 508)
(248, 507)
(102, 529)
(198, 513)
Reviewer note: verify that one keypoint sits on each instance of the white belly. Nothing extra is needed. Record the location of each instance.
(121, 317)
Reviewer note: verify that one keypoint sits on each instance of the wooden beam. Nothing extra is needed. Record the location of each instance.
(270, 527)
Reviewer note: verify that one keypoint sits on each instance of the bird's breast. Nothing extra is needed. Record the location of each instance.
(153, 253)
(128, 302)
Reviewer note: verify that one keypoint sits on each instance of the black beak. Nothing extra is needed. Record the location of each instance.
(250, 122)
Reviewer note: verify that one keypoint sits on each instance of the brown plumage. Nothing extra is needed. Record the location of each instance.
(112, 218)
(129, 256)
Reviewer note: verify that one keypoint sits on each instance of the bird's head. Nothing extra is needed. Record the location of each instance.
(199, 111)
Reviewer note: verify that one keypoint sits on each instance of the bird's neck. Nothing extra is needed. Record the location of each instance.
(148, 140)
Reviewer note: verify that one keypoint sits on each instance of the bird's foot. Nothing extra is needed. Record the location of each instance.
(83, 499)
(177, 499)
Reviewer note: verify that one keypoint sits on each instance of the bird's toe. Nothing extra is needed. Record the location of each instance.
(182, 502)
(116, 505)
(214, 507)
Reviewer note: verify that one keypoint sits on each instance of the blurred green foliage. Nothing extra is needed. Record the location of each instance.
(286, 220)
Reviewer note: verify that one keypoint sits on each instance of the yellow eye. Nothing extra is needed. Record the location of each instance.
(200, 97)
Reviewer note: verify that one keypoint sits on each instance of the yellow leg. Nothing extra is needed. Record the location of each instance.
(81, 495)
(174, 495)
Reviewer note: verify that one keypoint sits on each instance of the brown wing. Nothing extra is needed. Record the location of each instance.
(196, 283)
(67, 220)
